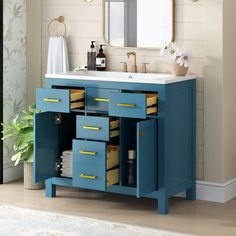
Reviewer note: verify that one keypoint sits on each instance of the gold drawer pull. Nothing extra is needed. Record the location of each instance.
(88, 153)
(83, 176)
(126, 105)
(101, 100)
(92, 128)
(51, 100)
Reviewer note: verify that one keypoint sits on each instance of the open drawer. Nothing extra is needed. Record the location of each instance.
(95, 165)
(133, 105)
(97, 128)
(59, 100)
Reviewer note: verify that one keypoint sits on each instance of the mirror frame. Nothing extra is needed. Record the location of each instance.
(146, 48)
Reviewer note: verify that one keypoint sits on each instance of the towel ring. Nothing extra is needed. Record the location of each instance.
(60, 19)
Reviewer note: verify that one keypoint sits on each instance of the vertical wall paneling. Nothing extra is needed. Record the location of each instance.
(84, 23)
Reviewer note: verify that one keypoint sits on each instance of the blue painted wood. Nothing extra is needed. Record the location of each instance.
(138, 100)
(180, 140)
(50, 83)
(92, 93)
(59, 181)
(163, 204)
(62, 95)
(45, 146)
(146, 157)
(89, 165)
(176, 137)
(50, 189)
(103, 123)
(191, 192)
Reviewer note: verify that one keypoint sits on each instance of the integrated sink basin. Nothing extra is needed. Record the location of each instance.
(152, 78)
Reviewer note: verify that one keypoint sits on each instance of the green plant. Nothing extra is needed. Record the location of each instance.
(22, 129)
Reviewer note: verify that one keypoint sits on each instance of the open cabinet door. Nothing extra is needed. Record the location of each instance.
(146, 157)
(45, 146)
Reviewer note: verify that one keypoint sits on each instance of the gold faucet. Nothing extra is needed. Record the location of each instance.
(134, 66)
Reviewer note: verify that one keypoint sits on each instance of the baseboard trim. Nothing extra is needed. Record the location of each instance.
(12, 173)
(215, 192)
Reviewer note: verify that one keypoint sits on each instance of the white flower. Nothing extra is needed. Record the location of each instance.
(184, 58)
(169, 50)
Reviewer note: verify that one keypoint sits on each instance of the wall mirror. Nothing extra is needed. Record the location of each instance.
(138, 23)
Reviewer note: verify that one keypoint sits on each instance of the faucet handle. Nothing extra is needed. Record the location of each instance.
(144, 68)
(125, 67)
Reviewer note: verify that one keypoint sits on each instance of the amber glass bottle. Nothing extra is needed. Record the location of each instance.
(101, 60)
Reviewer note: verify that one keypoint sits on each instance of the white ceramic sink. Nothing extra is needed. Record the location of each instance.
(150, 78)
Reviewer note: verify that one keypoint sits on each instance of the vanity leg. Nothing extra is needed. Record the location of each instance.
(191, 193)
(163, 205)
(50, 189)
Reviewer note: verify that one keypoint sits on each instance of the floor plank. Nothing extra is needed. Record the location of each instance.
(199, 217)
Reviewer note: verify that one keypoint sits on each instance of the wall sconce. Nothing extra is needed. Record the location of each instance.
(88, 1)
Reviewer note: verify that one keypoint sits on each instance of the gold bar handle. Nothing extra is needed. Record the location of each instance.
(51, 100)
(125, 105)
(101, 100)
(83, 176)
(88, 153)
(91, 128)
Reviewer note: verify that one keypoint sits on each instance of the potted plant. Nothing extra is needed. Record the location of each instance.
(181, 60)
(22, 130)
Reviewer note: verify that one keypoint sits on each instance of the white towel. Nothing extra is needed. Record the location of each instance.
(58, 61)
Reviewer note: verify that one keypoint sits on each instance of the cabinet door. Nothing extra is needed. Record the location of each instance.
(45, 146)
(146, 157)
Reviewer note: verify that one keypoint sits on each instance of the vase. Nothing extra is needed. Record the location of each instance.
(178, 70)
(29, 177)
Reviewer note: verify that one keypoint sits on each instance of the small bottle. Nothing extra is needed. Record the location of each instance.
(91, 57)
(101, 60)
(131, 168)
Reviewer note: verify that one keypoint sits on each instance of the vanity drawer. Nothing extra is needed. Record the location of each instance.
(97, 128)
(92, 162)
(134, 105)
(91, 177)
(92, 153)
(97, 99)
(59, 100)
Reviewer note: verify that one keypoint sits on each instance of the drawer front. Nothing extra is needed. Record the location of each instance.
(89, 153)
(94, 128)
(127, 105)
(55, 100)
(98, 99)
(90, 177)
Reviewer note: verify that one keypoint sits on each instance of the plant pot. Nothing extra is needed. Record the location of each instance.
(29, 177)
(178, 70)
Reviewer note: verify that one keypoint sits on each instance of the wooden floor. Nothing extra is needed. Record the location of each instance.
(199, 217)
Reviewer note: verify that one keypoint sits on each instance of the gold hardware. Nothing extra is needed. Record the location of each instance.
(91, 128)
(120, 47)
(134, 66)
(51, 100)
(144, 68)
(125, 67)
(88, 153)
(141, 134)
(60, 19)
(101, 100)
(126, 105)
(87, 176)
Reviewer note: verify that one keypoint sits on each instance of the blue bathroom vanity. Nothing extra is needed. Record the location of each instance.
(101, 116)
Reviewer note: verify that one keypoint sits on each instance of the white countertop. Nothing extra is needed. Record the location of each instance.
(148, 78)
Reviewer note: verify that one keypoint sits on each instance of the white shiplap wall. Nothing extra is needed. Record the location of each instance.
(84, 23)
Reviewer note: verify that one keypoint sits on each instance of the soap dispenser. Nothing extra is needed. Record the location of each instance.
(91, 57)
(101, 61)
